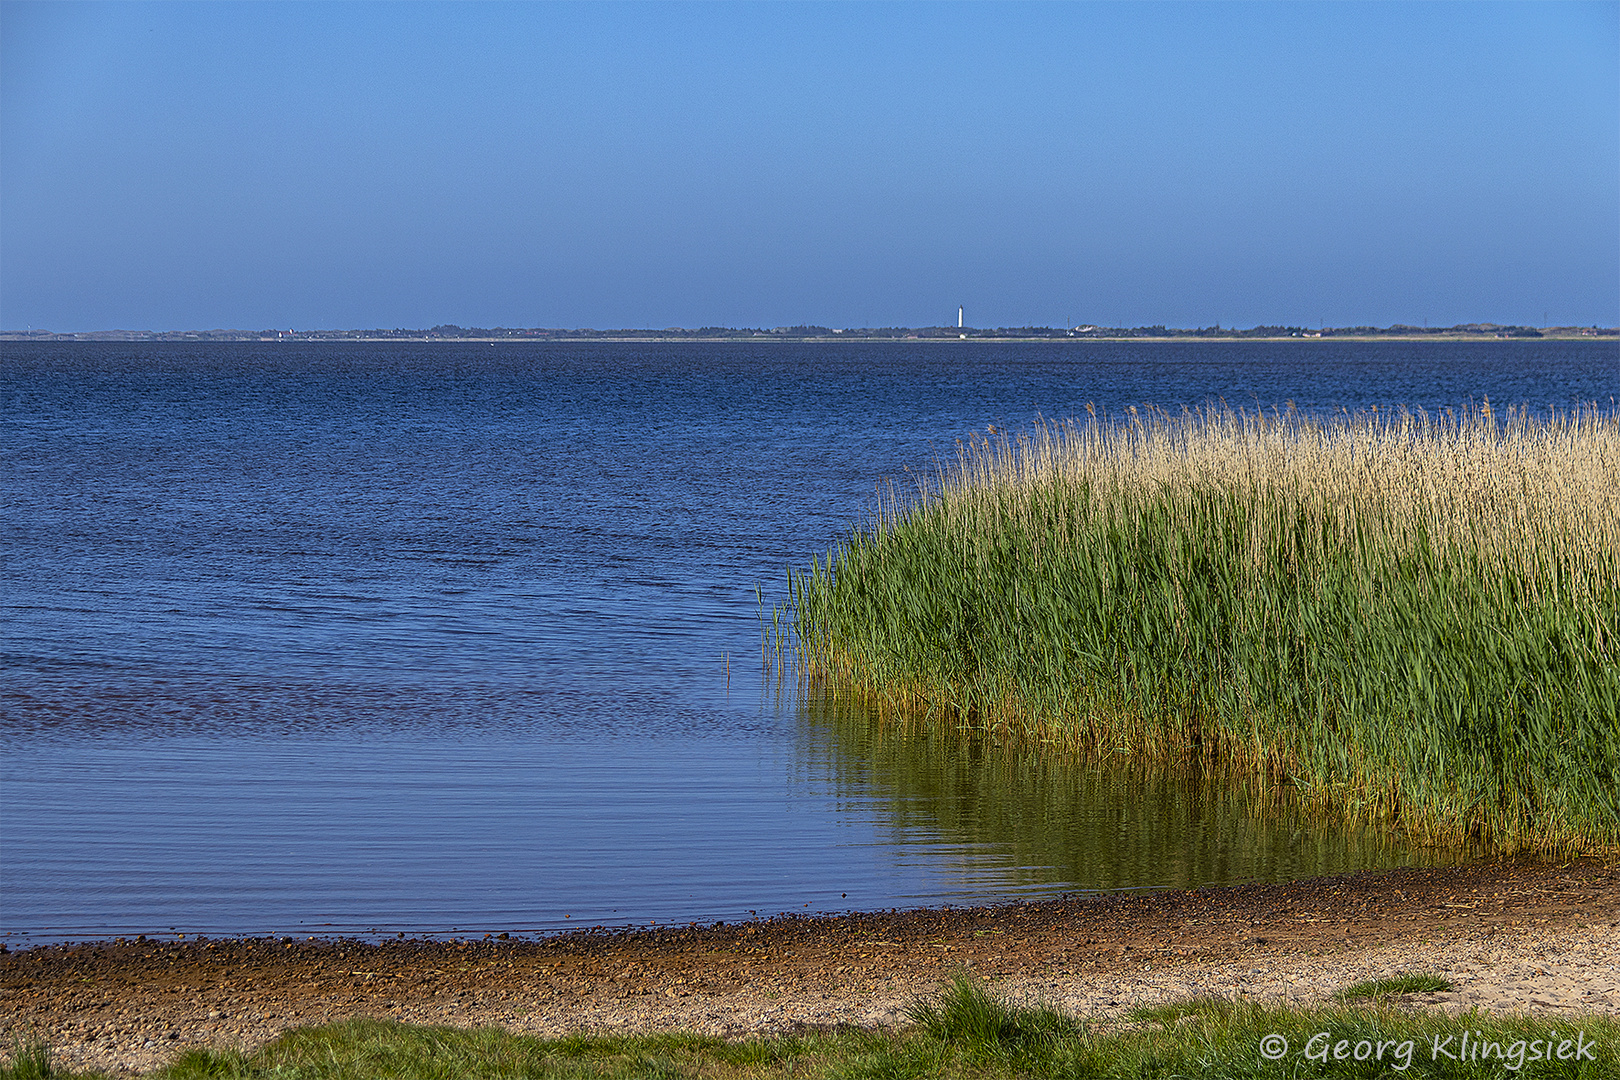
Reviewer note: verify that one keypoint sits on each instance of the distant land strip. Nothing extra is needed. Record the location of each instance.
(449, 332)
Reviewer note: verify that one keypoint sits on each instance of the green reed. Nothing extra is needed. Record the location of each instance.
(1412, 618)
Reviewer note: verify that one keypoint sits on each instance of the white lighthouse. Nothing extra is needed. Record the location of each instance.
(959, 317)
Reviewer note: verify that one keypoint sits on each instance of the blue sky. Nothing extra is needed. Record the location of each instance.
(616, 165)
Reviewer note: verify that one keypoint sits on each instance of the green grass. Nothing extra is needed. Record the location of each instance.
(29, 1061)
(1414, 620)
(968, 1015)
(967, 1033)
(1395, 986)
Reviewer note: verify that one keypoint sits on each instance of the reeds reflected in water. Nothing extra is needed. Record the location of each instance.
(1039, 820)
(1410, 618)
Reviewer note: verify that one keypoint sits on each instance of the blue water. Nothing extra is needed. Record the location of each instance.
(460, 638)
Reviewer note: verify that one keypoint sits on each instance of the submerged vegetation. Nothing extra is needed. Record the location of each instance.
(1414, 619)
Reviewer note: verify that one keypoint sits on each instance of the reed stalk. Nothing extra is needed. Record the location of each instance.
(1413, 618)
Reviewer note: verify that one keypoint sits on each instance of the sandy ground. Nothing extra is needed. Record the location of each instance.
(1511, 935)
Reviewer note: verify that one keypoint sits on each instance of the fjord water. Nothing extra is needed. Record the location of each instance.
(464, 638)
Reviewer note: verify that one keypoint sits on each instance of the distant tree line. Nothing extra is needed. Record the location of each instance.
(452, 332)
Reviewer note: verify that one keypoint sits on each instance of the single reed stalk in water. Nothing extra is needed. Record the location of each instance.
(1413, 618)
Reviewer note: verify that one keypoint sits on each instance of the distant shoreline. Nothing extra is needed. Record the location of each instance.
(965, 337)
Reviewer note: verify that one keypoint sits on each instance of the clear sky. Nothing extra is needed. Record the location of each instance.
(618, 165)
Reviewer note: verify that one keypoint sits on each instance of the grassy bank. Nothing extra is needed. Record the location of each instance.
(967, 1033)
(1413, 618)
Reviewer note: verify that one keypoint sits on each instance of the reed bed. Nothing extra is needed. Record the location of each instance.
(1412, 618)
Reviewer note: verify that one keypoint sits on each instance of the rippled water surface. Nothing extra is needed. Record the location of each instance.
(460, 638)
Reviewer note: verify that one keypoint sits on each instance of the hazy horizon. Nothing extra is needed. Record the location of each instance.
(693, 328)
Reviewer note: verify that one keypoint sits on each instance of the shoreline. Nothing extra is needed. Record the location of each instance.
(1511, 934)
(162, 338)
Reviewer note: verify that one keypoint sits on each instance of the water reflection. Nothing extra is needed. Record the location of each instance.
(428, 638)
(1043, 822)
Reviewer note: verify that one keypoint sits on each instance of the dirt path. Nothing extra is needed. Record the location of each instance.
(1510, 935)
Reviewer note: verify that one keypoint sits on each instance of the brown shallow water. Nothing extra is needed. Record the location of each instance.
(1510, 934)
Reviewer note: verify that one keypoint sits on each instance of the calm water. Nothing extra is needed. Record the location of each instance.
(459, 639)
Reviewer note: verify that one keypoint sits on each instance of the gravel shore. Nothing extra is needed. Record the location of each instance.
(1511, 935)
